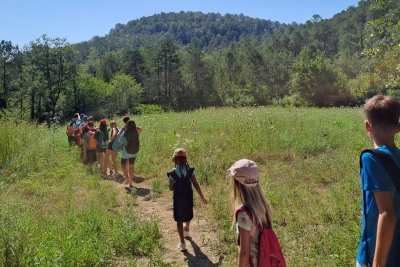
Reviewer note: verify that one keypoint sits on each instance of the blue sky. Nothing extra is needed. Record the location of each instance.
(23, 21)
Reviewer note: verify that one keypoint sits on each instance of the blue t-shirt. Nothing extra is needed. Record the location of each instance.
(76, 123)
(374, 177)
(125, 155)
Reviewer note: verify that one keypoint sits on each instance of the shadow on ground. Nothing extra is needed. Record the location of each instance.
(120, 179)
(199, 259)
(141, 192)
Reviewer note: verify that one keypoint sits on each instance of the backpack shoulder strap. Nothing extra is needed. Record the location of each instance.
(388, 163)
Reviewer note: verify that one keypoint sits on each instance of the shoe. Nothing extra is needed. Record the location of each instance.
(182, 246)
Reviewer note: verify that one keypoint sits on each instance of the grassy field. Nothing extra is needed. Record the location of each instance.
(54, 213)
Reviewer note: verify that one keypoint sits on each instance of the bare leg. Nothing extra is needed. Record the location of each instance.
(125, 170)
(100, 160)
(107, 160)
(114, 159)
(104, 163)
(131, 172)
(187, 226)
(179, 225)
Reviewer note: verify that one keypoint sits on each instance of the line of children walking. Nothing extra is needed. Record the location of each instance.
(98, 144)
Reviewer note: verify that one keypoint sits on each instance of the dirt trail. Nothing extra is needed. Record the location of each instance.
(201, 245)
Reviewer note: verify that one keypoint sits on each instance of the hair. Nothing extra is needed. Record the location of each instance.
(254, 200)
(85, 130)
(113, 124)
(130, 130)
(103, 128)
(382, 111)
(90, 118)
(185, 164)
(90, 124)
(125, 119)
(76, 116)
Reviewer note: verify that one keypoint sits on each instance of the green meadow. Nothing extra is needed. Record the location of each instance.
(53, 212)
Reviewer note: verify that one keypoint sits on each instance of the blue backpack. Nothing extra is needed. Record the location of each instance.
(101, 142)
(115, 145)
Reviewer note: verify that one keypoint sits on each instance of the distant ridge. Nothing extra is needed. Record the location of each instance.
(215, 31)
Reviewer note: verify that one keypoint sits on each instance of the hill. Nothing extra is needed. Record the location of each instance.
(215, 31)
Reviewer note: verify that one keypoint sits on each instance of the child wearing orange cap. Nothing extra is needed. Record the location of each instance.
(181, 178)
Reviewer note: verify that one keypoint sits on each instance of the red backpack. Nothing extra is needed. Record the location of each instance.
(269, 250)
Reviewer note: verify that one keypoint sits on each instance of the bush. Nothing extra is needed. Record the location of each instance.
(147, 109)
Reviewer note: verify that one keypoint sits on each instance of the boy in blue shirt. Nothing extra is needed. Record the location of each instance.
(380, 239)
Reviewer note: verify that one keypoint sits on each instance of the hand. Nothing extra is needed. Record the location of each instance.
(205, 201)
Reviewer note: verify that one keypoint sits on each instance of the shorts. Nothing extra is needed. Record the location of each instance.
(110, 144)
(91, 156)
(101, 150)
(131, 161)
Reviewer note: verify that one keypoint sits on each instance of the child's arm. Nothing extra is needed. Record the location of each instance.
(244, 250)
(171, 185)
(197, 187)
(386, 226)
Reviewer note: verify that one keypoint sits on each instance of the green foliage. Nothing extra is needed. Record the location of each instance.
(85, 95)
(382, 46)
(156, 186)
(143, 109)
(315, 82)
(52, 62)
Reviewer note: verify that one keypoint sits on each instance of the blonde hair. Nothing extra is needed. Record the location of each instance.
(254, 200)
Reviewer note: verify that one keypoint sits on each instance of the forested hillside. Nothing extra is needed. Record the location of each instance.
(189, 60)
(215, 32)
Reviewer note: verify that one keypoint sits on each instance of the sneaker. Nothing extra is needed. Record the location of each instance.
(182, 246)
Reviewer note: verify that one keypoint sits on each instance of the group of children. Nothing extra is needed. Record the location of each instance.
(100, 143)
(380, 239)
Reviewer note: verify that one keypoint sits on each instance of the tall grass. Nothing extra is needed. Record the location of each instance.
(309, 164)
(54, 213)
